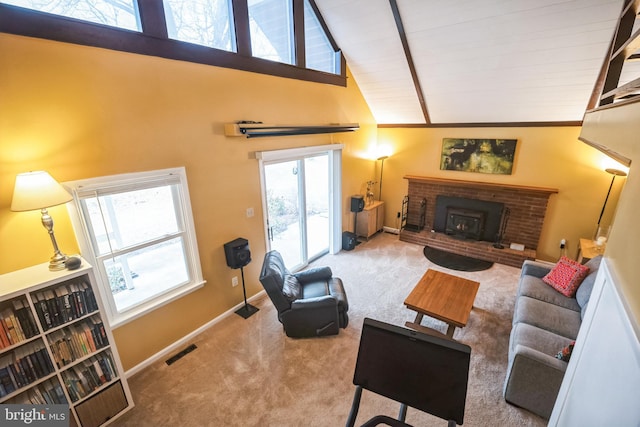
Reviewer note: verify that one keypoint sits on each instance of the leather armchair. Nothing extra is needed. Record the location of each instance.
(309, 303)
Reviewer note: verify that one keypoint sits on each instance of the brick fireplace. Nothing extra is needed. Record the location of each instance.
(527, 207)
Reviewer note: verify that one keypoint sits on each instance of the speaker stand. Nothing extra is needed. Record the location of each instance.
(247, 310)
(355, 229)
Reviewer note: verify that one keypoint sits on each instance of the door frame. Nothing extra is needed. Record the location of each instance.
(334, 152)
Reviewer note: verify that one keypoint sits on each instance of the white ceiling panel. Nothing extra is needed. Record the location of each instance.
(477, 61)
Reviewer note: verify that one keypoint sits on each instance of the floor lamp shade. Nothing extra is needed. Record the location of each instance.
(38, 190)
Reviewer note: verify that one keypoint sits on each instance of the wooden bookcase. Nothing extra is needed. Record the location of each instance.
(56, 346)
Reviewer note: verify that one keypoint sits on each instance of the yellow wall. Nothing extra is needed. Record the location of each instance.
(545, 157)
(80, 112)
(619, 129)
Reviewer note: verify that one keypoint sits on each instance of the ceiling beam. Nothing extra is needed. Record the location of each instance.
(407, 54)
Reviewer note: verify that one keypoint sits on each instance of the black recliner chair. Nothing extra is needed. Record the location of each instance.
(310, 303)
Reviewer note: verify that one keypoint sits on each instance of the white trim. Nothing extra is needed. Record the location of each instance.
(334, 152)
(179, 344)
(85, 188)
(294, 153)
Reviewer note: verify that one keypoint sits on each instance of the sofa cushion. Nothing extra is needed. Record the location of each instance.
(538, 339)
(291, 287)
(534, 287)
(552, 318)
(566, 276)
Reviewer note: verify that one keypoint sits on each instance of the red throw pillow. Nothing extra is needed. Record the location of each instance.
(566, 276)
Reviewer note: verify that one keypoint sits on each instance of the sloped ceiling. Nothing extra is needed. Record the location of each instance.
(475, 61)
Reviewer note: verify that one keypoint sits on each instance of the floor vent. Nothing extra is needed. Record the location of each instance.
(181, 354)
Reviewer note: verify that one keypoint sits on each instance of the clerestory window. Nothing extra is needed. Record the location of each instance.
(137, 230)
(204, 22)
(116, 13)
(238, 34)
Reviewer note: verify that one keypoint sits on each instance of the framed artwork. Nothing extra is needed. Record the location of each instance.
(493, 156)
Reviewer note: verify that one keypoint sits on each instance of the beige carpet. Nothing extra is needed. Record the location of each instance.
(248, 373)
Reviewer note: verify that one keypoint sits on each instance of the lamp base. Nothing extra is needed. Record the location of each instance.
(57, 262)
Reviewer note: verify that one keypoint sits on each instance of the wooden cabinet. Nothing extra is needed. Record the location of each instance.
(56, 346)
(370, 220)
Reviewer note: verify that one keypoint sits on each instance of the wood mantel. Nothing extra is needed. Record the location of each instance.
(482, 185)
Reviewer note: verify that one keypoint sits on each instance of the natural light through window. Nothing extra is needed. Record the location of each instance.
(139, 231)
(203, 22)
(115, 13)
(319, 52)
(271, 28)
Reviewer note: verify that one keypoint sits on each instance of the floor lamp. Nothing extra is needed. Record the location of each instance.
(381, 170)
(615, 173)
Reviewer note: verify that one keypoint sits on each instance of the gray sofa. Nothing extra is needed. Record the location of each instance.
(544, 322)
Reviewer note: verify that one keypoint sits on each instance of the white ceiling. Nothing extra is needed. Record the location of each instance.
(477, 61)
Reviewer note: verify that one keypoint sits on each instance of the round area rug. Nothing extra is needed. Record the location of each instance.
(455, 261)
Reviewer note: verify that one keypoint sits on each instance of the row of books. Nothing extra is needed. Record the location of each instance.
(66, 302)
(16, 322)
(23, 366)
(87, 376)
(78, 340)
(49, 392)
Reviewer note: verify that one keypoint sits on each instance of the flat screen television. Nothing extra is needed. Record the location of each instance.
(425, 372)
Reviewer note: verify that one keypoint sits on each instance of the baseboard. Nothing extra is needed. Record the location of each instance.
(184, 341)
(390, 230)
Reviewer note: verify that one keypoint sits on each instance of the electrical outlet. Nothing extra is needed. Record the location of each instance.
(250, 212)
(234, 281)
(398, 215)
(563, 243)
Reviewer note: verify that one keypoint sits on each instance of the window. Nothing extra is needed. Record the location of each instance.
(236, 34)
(116, 13)
(271, 27)
(319, 52)
(137, 230)
(203, 22)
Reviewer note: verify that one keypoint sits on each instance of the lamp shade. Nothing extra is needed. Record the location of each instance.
(37, 190)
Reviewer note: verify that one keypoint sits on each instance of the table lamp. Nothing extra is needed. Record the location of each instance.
(38, 190)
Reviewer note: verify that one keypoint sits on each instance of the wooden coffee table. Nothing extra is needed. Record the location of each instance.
(444, 297)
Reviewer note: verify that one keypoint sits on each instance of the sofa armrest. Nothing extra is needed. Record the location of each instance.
(536, 268)
(314, 275)
(533, 380)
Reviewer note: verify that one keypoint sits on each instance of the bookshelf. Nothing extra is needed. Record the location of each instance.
(56, 346)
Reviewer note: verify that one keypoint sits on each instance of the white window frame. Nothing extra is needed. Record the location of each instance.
(87, 188)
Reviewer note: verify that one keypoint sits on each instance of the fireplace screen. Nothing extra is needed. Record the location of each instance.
(465, 223)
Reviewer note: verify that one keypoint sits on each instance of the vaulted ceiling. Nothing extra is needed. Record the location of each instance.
(440, 62)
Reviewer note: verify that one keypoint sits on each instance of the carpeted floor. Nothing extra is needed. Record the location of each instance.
(248, 373)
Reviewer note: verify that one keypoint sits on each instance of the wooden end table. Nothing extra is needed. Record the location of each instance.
(443, 297)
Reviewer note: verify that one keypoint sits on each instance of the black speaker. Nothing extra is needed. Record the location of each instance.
(357, 203)
(349, 240)
(237, 253)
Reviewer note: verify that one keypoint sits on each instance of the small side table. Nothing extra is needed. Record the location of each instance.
(588, 249)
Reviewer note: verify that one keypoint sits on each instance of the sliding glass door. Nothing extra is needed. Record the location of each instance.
(297, 196)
